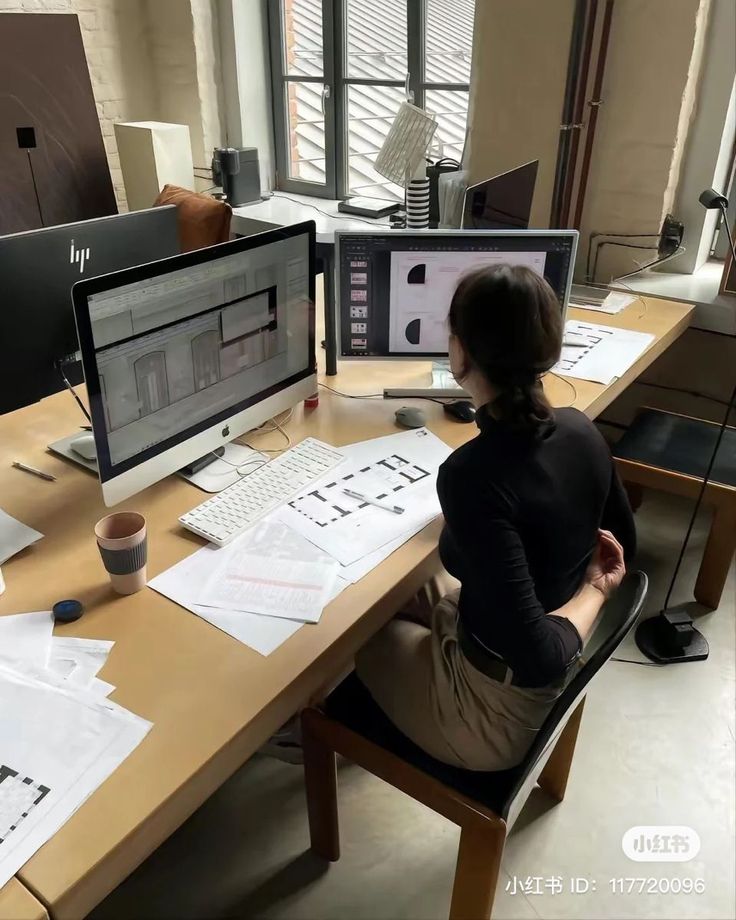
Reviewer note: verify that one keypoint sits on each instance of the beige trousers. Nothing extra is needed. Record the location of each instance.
(416, 672)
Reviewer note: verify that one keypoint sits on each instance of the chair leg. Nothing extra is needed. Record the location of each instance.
(554, 776)
(320, 779)
(476, 874)
(717, 558)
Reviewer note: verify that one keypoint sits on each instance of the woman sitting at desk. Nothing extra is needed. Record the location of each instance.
(524, 503)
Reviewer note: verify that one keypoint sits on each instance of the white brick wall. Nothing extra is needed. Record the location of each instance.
(148, 60)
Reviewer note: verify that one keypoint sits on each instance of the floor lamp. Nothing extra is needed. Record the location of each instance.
(671, 636)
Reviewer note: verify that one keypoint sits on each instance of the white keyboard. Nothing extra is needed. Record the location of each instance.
(225, 516)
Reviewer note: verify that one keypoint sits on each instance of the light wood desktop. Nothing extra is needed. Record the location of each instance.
(212, 700)
(17, 903)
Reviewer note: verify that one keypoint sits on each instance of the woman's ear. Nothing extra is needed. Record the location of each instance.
(459, 362)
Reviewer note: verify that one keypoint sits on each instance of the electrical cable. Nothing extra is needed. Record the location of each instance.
(695, 393)
(270, 450)
(238, 466)
(647, 664)
(596, 234)
(659, 261)
(612, 243)
(350, 395)
(371, 223)
(440, 402)
(569, 383)
(630, 290)
(35, 188)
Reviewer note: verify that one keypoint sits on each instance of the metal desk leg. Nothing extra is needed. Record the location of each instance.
(326, 254)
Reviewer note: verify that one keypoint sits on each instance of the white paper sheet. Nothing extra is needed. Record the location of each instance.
(349, 529)
(608, 353)
(291, 589)
(182, 583)
(100, 688)
(14, 536)
(86, 656)
(59, 745)
(26, 637)
(615, 302)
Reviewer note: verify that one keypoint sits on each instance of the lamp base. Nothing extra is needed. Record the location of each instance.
(670, 636)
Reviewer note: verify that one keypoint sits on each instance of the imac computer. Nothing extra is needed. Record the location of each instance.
(38, 269)
(183, 355)
(503, 202)
(394, 288)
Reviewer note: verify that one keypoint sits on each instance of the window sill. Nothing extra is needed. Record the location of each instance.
(713, 312)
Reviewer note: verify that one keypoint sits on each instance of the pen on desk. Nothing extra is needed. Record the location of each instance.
(33, 470)
(379, 503)
(568, 344)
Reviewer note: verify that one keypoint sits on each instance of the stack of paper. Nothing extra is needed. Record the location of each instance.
(279, 574)
(600, 353)
(614, 302)
(287, 589)
(59, 738)
(27, 643)
(14, 536)
(183, 583)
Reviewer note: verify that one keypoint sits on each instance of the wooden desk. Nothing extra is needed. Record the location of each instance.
(213, 701)
(17, 903)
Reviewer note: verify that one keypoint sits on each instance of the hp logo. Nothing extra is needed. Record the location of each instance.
(80, 256)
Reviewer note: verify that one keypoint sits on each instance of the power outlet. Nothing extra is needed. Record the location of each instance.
(670, 237)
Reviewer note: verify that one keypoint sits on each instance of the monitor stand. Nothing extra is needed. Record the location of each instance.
(214, 477)
(442, 386)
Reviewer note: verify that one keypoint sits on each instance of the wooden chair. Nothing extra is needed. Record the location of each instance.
(669, 452)
(202, 220)
(484, 805)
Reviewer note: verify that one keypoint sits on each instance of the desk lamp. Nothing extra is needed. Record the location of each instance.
(402, 159)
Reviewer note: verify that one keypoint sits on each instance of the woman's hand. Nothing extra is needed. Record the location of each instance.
(607, 568)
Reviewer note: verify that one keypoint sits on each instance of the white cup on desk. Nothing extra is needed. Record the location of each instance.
(121, 539)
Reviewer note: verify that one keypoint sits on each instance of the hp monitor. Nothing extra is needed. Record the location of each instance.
(503, 202)
(183, 355)
(394, 289)
(37, 271)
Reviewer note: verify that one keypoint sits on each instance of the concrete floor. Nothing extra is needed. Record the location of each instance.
(656, 748)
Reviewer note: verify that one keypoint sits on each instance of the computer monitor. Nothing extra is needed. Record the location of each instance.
(394, 289)
(503, 202)
(183, 355)
(37, 271)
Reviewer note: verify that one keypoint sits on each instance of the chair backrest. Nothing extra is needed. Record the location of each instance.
(202, 220)
(619, 615)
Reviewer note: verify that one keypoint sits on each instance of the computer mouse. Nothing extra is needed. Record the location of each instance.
(461, 410)
(84, 445)
(409, 417)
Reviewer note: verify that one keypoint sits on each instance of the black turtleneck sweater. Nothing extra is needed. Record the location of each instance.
(521, 522)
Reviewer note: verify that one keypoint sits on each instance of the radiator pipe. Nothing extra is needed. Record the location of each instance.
(594, 104)
(568, 108)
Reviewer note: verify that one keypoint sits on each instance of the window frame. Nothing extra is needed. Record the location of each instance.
(337, 80)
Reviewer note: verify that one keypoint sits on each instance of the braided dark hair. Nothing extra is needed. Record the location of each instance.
(509, 323)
